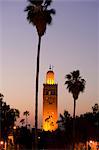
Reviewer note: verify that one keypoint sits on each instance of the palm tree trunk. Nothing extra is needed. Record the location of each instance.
(74, 124)
(36, 93)
(26, 121)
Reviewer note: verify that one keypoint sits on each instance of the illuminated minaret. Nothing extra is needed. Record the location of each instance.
(50, 97)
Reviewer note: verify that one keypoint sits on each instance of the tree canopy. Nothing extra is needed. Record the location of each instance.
(75, 84)
(39, 15)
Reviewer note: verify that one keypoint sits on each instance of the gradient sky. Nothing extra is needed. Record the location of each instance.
(70, 43)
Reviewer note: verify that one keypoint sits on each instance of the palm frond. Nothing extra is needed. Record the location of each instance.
(82, 88)
(26, 113)
(68, 76)
(47, 3)
(29, 8)
(36, 2)
(31, 17)
(67, 82)
(51, 11)
(47, 15)
(83, 81)
(22, 120)
(75, 74)
(61, 117)
(69, 85)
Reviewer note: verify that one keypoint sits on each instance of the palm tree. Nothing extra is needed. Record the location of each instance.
(26, 113)
(39, 16)
(75, 85)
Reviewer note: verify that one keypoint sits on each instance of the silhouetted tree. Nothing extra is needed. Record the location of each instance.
(95, 108)
(64, 119)
(8, 117)
(39, 15)
(88, 126)
(26, 113)
(65, 125)
(75, 84)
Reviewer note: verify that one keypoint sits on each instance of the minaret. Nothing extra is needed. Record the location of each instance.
(50, 97)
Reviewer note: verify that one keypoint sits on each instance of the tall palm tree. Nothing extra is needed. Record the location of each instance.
(75, 85)
(26, 113)
(39, 16)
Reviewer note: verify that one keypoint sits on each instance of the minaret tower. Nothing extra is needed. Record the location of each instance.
(50, 102)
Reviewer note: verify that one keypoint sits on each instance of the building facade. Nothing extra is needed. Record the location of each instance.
(50, 102)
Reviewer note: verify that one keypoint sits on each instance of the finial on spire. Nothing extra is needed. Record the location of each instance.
(51, 67)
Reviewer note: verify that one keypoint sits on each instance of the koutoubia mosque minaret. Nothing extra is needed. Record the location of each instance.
(50, 102)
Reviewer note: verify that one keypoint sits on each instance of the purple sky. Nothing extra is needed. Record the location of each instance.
(70, 43)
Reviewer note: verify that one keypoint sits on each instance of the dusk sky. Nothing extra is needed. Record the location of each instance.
(70, 43)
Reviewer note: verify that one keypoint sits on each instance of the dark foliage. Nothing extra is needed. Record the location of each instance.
(75, 84)
(39, 15)
(23, 137)
(86, 126)
(8, 117)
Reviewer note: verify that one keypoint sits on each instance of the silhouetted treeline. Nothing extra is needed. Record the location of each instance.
(86, 128)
